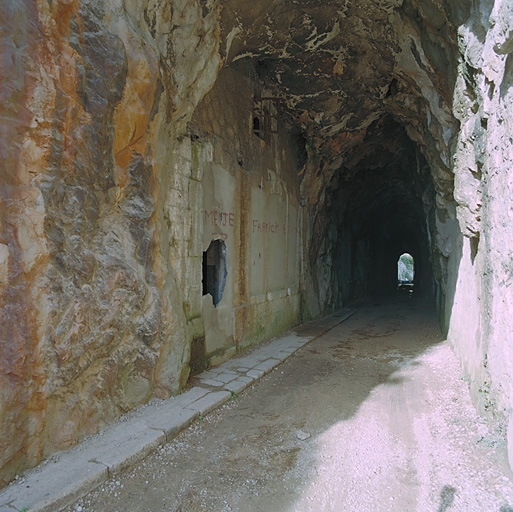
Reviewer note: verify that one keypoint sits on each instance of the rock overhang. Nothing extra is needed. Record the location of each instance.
(340, 66)
(370, 87)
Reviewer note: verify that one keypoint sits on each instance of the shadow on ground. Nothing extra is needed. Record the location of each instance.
(296, 441)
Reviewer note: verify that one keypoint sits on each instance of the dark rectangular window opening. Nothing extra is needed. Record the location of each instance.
(265, 116)
(214, 270)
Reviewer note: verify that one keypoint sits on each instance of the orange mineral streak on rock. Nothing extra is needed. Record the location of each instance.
(132, 115)
(344, 142)
(18, 350)
(63, 62)
(63, 10)
(28, 104)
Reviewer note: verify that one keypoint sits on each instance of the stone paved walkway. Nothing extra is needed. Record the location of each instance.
(67, 476)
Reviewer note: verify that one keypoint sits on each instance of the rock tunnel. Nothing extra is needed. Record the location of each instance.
(310, 143)
(379, 214)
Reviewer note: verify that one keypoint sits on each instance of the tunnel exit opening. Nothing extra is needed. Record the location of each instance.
(405, 272)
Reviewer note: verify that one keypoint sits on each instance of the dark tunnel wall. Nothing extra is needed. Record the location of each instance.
(381, 207)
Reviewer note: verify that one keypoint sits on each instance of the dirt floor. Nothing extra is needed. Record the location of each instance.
(372, 416)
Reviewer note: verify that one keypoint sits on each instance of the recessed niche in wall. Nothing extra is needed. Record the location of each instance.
(265, 116)
(256, 125)
(214, 270)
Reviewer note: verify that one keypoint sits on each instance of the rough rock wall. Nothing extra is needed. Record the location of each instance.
(96, 311)
(93, 100)
(481, 324)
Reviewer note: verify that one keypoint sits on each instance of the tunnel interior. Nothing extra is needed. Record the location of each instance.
(310, 143)
(381, 205)
(377, 139)
(375, 188)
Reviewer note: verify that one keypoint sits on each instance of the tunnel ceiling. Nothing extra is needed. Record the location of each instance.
(389, 182)
(339, 66)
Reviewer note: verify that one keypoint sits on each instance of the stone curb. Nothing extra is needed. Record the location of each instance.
(68, 476)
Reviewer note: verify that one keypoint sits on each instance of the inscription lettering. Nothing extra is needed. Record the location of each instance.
(266, 227)
(217, 218)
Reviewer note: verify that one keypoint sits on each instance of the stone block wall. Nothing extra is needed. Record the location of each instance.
(251, 204)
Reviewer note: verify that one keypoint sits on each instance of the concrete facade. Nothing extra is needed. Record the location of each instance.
(246, 196)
